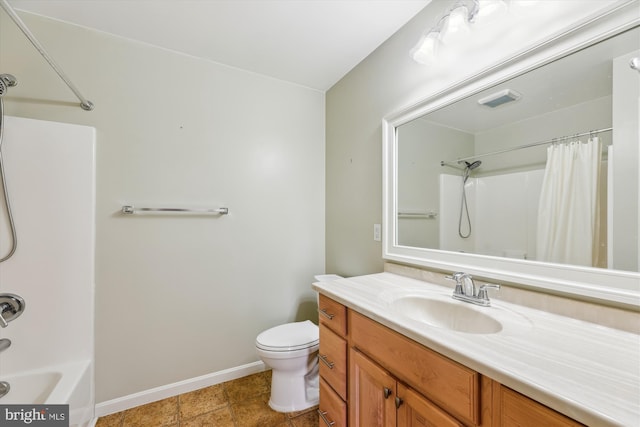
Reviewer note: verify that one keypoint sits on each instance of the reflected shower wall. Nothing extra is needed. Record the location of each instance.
(503, 210)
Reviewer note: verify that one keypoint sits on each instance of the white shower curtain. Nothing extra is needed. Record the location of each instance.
(568, 214)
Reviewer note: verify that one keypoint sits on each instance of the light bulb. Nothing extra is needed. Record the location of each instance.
(489, 10)
(456, 25)
(426, 49)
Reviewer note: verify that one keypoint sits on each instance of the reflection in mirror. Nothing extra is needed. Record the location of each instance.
(541, 167)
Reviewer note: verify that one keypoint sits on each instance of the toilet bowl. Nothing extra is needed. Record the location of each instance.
(291, 351)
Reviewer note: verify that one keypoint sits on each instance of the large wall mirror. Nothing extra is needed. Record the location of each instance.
(530, 173)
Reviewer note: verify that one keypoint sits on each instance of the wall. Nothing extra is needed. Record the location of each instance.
(179, 297)
(388, 80)
(626, 122)
(419, 156)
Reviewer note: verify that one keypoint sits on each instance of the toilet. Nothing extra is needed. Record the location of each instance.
(291, 351)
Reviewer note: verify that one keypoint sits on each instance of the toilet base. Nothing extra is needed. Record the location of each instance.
(291, 393)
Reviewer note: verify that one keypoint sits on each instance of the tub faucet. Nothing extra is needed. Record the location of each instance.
(5, 343)
(11, 306)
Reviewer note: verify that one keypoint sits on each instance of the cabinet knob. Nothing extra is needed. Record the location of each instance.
(399, 402)
(387, 392)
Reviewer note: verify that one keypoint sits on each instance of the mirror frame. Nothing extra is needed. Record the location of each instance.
(612, 287)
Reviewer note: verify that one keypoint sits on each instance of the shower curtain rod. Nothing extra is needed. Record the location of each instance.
(534, 144)
(85, 104)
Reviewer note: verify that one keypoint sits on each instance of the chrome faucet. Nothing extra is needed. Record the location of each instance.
(11, 306)
(465, 289)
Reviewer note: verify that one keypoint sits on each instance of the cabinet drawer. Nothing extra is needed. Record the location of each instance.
(333, 360)
(452, 386)
(332, 314)
(515, 410)
(332, 409)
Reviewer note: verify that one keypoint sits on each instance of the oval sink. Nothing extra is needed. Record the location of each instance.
(447, 314)
(442, 311)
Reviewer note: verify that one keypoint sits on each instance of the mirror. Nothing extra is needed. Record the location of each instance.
(475, 183)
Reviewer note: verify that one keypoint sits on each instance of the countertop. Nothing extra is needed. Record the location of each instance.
(588, 372)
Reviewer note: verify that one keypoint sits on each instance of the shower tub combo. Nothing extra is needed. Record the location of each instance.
(46, 351)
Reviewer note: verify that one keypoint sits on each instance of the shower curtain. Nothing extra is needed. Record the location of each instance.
(568, 214)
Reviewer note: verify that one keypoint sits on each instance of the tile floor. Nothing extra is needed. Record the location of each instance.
(237, 403)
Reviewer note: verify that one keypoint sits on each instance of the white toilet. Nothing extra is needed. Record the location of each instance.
(291, 350)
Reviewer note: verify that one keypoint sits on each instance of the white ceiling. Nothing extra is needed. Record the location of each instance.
(313, 43)
(581, 77)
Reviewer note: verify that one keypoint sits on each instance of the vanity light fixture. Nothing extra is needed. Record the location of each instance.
(499, 98)
(488, 10)
(454, 24)
(427, 48)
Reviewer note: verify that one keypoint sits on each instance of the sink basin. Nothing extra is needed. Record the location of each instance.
(441, 311)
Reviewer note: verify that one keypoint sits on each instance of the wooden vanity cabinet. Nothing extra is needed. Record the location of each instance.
(332, 361)
(448, 384)
(512, 409)
(378, 399)
(372, 376)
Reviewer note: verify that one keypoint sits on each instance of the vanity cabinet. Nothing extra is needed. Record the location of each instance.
(373, 376)
(451, 386)
(378, 399)
(512, 409)
(332, 356)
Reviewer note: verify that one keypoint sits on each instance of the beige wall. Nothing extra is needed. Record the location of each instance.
(387, 81)
(180, 297)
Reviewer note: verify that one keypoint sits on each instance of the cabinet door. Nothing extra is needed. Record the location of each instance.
(372, 393)
(416, 411)
(515, 410)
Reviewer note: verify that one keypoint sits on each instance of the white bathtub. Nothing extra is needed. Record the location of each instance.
(61, 384)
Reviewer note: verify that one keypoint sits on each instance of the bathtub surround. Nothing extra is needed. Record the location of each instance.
(182, 297)
(50, 170)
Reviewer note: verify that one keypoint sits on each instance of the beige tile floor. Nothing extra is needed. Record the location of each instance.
(237, 403)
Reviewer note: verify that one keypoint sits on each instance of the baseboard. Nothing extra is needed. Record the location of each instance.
(141, 398)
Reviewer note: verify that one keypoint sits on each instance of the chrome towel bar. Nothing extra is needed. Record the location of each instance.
(130, 210)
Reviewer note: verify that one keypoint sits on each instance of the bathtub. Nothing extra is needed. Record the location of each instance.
(68, 383)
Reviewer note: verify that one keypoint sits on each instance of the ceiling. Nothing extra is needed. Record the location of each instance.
(313, 43)
(584, 76)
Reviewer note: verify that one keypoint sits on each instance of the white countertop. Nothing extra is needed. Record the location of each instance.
(588, 372)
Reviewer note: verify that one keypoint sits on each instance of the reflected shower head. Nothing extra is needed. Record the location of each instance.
(6, 81)
(472, 166)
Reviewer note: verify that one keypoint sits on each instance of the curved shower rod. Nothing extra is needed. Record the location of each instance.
(85, 104)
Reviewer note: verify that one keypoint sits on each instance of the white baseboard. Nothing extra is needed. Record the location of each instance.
(141, 398)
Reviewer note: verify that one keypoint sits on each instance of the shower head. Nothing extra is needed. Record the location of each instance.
(472, 166)
(6, 81)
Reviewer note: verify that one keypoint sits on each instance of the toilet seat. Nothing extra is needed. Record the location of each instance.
(289, 337)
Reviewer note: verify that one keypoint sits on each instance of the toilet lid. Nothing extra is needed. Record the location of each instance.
(289, 337)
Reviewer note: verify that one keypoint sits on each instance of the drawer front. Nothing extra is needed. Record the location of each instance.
(333, 360)
(332, 409)
(333, 315)
(516, 410)
(452, 386)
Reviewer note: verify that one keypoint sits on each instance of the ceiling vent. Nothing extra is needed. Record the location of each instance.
(499, 98)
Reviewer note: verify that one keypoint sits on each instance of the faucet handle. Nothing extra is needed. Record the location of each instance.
(457, 277)
(11, 306)
(482, 292)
